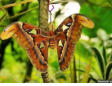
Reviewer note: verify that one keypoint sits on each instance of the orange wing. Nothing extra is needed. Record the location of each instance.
(21, 32)
(69, 32)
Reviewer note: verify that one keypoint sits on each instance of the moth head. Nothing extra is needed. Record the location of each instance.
(85, 22)
(9, 31)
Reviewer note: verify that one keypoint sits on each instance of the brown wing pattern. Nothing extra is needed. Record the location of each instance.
(21, 34)
(67, 43)
(68, 37)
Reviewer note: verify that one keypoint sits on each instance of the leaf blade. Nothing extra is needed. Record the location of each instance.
(104, 55)
(108, 70)
(100, 60)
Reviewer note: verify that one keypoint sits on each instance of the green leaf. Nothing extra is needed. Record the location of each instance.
(104, 55)
(100, 60)
(108, 70)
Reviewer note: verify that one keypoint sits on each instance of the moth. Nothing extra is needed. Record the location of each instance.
(64, 38)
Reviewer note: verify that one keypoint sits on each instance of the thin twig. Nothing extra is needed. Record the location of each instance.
(74, 70)
(15, 4)
(79, 60)
(11, 17)
(2, 18)
(23, 13)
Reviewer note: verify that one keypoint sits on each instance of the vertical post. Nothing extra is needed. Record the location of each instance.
(43, 24)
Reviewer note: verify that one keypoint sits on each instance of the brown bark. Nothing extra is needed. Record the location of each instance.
(43, 15)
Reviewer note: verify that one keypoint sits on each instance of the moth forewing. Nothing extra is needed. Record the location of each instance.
(26, 41)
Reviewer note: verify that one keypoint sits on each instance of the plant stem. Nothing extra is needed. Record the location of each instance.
(19, 14)
(74, 70)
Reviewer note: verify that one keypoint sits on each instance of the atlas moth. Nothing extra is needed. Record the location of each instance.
(64, 38)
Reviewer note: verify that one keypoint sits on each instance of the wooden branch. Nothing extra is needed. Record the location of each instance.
(15, 4)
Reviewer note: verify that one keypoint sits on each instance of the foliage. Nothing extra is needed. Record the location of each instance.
(105, 65)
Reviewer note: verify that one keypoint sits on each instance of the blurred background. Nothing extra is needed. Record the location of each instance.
(92, 59)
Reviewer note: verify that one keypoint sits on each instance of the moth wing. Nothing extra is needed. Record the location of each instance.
(40, 46)
(65, 45)
(25, 39)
